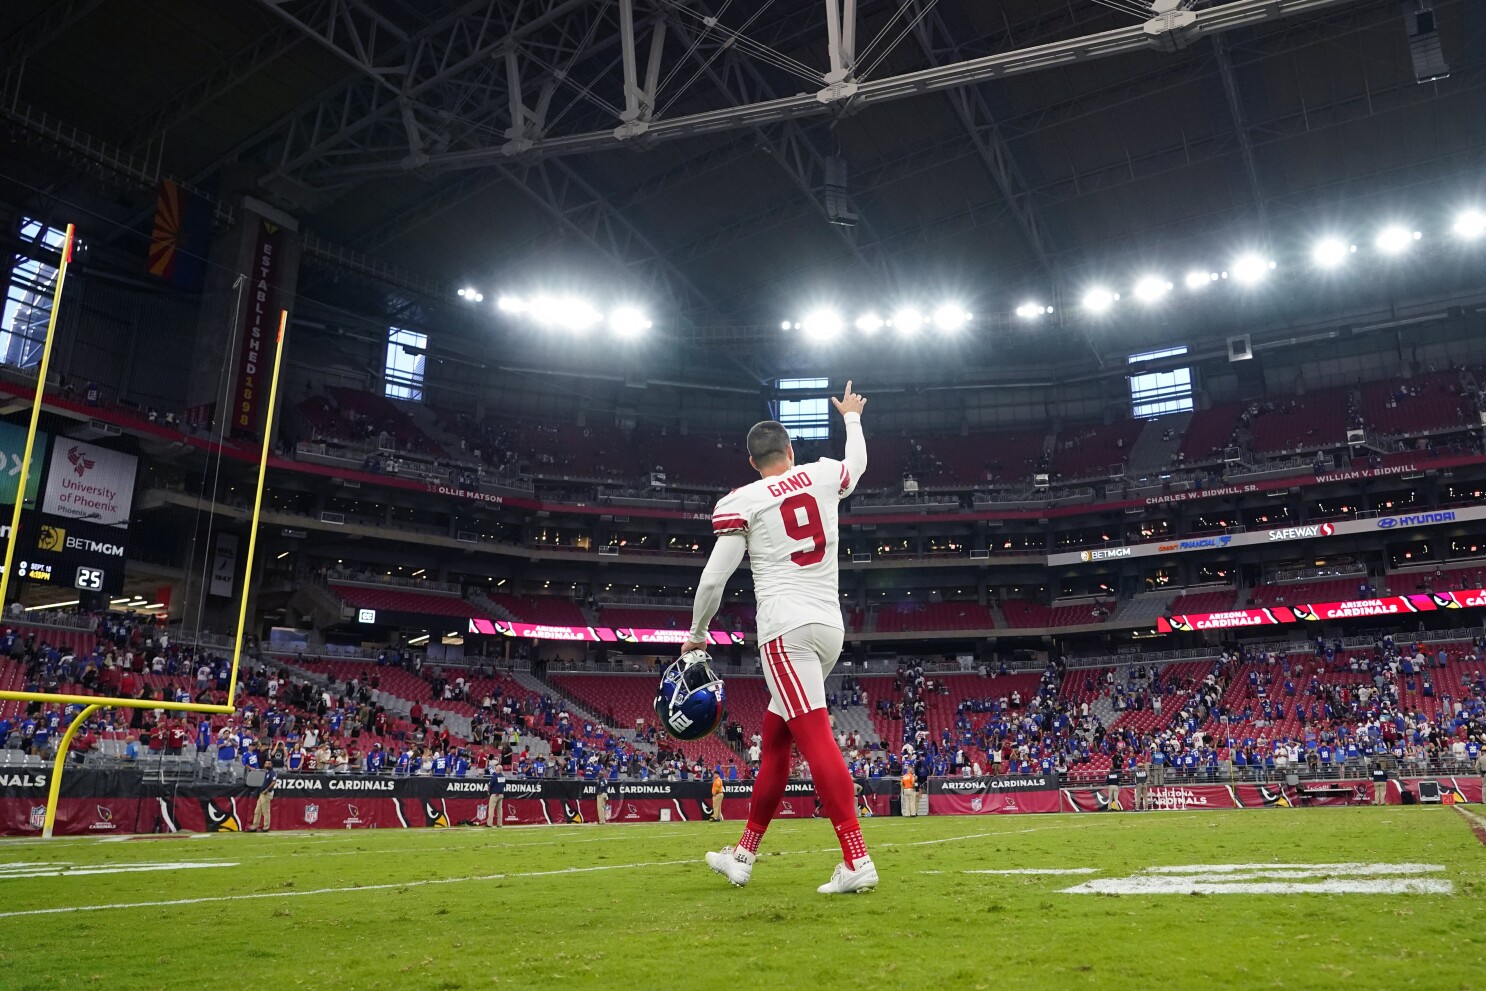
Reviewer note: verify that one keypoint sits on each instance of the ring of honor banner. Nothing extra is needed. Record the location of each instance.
(594, 634)
(224, 565)
(260, 324)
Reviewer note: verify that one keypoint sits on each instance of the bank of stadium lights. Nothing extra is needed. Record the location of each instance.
(1032, 311)
(1251, 268)
(1331, 252)
(574, 314)
(825, 324)
(1470, 224)
(1395, 240)
(471, 295)
(1151, 289)
(1100, 300)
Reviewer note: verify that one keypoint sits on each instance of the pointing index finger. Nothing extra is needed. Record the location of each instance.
(848, 389)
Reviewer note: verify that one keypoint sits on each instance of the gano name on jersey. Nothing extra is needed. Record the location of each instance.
(790, 522)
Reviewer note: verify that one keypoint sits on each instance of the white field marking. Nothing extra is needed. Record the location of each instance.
(1040, 870)
(1480, 823)
(12, 871)
(1274, 879)
(1351, 867)
(331, 891)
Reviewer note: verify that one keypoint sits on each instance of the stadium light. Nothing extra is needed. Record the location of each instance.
(1031, 311)
(1151, 288)
(1470, 224)
(1200, 280)
(1330, 252)
(1099, 300)
(869, 323)
(785, 325)
(564, 311)
(1395, 240)
(626, 321)
(511, 304)
(822, 325)
(907, 320)
(1250, 269)
(950, 317)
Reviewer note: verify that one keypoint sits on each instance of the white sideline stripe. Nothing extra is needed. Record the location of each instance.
(64, 870)
(1480, 823)
(333, 891)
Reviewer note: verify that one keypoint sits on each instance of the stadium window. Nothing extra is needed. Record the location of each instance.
(1158, 393)
(1175, 352)
(805, 419)
(403, 375)
(28, 297)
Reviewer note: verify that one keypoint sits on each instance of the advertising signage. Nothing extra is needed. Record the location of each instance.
(1317, 612)
(593, 634)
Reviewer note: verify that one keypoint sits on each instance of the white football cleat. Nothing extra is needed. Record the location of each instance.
(845, 882)
(733, 863)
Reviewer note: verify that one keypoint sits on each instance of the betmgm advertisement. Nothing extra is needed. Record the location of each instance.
(77, 536)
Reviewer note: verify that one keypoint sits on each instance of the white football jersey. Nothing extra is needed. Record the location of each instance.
(790, 521)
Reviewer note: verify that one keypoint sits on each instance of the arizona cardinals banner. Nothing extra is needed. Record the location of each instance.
(95, 803)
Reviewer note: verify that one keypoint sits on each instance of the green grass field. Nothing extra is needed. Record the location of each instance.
(633, 907)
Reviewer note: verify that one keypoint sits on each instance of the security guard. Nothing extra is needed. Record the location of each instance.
(495, 808)
(716, 797)
(910, 792)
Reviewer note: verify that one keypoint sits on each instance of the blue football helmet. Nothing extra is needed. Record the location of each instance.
(689, 702)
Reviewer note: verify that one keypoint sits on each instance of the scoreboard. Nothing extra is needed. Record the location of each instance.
(70, 554)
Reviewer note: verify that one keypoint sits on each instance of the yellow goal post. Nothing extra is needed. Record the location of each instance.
(92, 703)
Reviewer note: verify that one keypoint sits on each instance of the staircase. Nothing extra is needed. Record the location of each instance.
(1146, 607)
(852, 718)
(576, 709)
(499, 612)
(318, 604)
(1151, 452)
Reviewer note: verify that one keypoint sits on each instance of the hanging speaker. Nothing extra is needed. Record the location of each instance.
(1239, 348)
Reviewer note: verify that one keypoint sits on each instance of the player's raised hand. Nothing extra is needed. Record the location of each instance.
(849, 402)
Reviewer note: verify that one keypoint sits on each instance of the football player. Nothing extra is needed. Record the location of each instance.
(786, 521)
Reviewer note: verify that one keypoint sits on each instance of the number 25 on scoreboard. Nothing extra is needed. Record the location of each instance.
(89, 579)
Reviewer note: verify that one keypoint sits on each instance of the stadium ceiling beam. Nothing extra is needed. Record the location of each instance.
(797, 153)
(449, 58)
(223, 79)
(574, 204)
(1402, 96)
(46, 27)
(555, 187)
(1167, 32)
(1241, 129)
(991, 147)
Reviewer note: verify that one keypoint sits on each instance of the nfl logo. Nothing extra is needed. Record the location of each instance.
(38, 816)
(311, 814)
(481, 811)
(976, 804)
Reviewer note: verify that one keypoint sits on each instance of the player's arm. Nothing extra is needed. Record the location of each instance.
(727, 554)
(855, 462)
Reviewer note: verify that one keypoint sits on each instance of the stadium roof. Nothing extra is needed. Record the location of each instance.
(387, 127)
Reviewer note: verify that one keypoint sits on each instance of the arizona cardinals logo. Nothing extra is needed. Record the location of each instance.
(81, 463)
(572, 813)
(105, 814)
(1305, 613)
(1273, 798)
(1108, 801)
(1181, 624)
(433, 816)
(626, 636)
(220, 820)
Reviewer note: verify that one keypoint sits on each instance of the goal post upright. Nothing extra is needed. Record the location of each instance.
(41, 372)
(91, 704)
(273, 394)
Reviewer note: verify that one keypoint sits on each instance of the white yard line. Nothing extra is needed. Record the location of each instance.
(332, 891)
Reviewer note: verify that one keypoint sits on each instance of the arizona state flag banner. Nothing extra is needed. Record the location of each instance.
(180, 238)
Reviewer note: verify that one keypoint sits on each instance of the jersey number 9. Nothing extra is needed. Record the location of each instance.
(802, 522)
